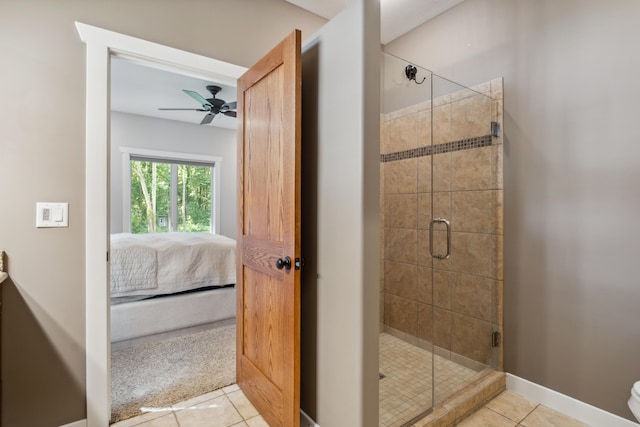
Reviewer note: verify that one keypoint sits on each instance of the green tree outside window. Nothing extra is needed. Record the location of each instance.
(152, 207)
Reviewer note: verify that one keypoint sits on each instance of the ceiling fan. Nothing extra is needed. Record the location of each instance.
(212, 106)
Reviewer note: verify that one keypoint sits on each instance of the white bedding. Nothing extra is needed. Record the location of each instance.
(165, 263)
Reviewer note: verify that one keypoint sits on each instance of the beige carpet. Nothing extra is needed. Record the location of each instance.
(158, 374)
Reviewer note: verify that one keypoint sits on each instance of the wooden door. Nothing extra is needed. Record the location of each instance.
(268, 291)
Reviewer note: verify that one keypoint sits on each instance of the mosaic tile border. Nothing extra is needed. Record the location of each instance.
(447, 147)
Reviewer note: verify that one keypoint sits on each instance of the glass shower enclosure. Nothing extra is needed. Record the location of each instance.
(441, 231)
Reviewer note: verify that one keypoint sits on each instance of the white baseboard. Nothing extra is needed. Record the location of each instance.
(306, 421)
(574, 408)
(79, 423)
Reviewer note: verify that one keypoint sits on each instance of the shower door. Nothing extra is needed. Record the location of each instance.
(461, 240)
(441, 210)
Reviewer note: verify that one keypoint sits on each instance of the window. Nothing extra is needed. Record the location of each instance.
(170, 192)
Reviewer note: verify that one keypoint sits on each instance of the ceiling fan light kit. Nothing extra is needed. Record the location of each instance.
(212, 106)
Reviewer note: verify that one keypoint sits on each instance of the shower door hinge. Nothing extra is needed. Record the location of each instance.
(495, 129)
(495, 339)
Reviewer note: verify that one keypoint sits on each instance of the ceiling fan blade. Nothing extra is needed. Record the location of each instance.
(182, 109)
(229, 113)
(207, 119)
(197, 97)
(230, 105)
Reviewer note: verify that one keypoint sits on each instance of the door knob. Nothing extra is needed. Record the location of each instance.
(283, 263)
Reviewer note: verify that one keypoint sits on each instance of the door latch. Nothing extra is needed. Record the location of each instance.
(286, 263)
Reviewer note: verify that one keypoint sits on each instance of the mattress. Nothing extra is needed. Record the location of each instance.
(144, 265)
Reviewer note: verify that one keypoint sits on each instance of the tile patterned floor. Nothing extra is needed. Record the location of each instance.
(511, 410)
(227, 407)
(230, 408)
(405, 391)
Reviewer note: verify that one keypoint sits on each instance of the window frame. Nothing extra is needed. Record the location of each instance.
(168, 156)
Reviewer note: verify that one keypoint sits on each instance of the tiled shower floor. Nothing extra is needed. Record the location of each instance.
(405, 390)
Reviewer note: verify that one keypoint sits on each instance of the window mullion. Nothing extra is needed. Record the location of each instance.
(216, 194)
(173, 208)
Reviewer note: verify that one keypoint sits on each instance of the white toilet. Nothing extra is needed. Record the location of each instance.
(634, 400)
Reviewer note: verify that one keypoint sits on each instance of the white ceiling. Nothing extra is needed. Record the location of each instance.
(397, 17)
(139, 89)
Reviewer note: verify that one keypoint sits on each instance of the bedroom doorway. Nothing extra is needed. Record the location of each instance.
(172, 296)
(102, 45)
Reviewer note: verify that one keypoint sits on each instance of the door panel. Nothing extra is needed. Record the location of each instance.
(263, 314)
(263, 166)
(268, 297)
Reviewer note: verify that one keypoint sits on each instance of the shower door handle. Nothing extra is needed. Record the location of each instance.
(448, 225)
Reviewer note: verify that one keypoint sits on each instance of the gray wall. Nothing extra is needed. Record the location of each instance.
(572, 168)
(340, 219)
(42, 147)
(134, 131)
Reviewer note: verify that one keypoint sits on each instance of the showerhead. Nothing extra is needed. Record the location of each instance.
(411, 71)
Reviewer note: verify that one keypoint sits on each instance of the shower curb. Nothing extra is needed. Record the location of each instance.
(464, 403)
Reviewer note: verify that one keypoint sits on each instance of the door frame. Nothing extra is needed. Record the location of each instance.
(101, 44)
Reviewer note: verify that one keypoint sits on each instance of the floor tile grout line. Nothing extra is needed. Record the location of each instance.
(530, 412)
(234, 407)
(175, 417)
(238, 410)
(504, 415)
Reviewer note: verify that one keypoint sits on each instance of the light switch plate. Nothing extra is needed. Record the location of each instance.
(52, 215)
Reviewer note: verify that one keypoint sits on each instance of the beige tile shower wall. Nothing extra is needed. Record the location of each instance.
(454, 303)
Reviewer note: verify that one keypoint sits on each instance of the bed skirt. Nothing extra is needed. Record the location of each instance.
(147, 317)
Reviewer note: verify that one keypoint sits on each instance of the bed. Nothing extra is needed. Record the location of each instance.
(167, 281)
